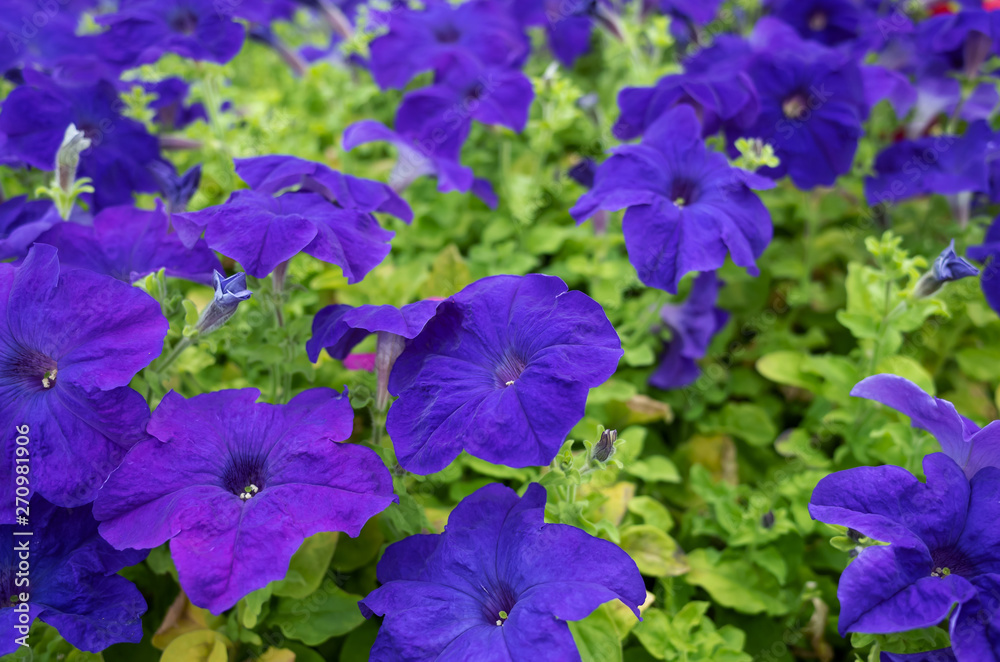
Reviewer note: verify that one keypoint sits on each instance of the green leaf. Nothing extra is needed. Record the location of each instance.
(327, 612)
(197, 646)
(734, 582)
(744, 420)
(652, 512)
(981, 363)
(597, 637)
(654, 469)
(308, 565)
(449, 273)
(654, 551)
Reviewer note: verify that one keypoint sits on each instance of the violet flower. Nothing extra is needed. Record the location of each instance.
(128, 244)
(435, 37)
(687, 207)
(693, 324)
(70, 582)
(502, 371)
(499, 583)
(943, 551)
(961, 439)
(73, 341)
(236, 486)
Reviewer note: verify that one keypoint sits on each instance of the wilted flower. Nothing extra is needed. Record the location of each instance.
(502, 371)
(236, 486)
(229, 293)
(499, 583)
(73, 342)
(70, 581)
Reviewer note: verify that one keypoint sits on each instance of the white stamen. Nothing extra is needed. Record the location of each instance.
(510, 383)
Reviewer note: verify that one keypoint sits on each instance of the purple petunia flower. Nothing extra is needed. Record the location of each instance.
(687, 207)
(128, 244)
(943, 551)
(568, 23)
(961, 439)
(829, 22)
(229, 294)
(70, 343)
(328, 217)
(34, 119)
(236, 486)
(169, 108)
(812, 102)
(693, 324)
(176, 189)
(70, 581)
(502, 371)
(948, 266)
(714, 82)
(499, 583)
(425, 147)
(141, 31)
(274, 173)
(943, 164)
(339, 328)
(988, 253)
(22, 221)
(440, 34)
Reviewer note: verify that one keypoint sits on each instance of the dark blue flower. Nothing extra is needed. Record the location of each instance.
(988, 252)
(141, 31)
(22, 221)
(68, 580)
(943, 164)
(441, 34)
(73, 341)
(943, 551)
(949, 266)
(687, 207)
(961, 439)
(498, 584)
(128, 244)
(501, 371)
(168, 106)
(812, 102)
(34, 119)
(229, 294)
(829, 22)
(177, 190)
(692, 324)
(236, 486)
(714, 82)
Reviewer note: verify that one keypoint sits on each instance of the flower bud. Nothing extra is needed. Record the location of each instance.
(605, 448)
(948, 266)
(229, 292)
(68, 157)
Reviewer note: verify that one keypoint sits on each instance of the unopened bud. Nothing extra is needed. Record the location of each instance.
(229, 292)
(68, 157)
(605, 448)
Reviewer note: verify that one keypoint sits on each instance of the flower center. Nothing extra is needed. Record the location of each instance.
(683, 191)
(510, 368)
(950, 561)
(499, 602)
(245, 476)
(818, 21)
(447, 34)
(184, 21)
(31, 370)
(794, 106)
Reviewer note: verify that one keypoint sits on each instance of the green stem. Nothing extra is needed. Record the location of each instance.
(181, 345)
